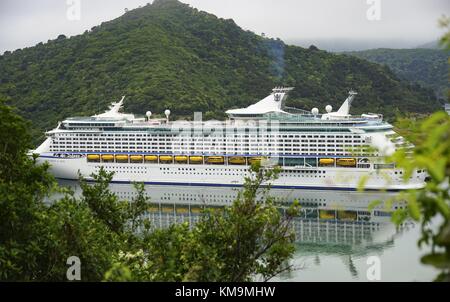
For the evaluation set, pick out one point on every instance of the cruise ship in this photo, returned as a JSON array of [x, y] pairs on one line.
[[333, 150]]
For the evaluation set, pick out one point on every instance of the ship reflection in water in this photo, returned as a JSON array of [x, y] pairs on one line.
[[336, 234]]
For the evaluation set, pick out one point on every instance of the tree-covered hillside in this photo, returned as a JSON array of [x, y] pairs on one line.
[[169, 55], [427, 67]]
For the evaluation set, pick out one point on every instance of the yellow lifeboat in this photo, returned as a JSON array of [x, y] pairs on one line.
[[347, 215], [181, 158], [122, 158], [196, 210], [215, 160], [257, 159], [136, 158], [327, 214], [326, 161], [346, 162], [107, 157], [195, 159], [182, 210], [167, 209], [153, 209], [236, 160], [165, 158], [93, 157], [151, 158]]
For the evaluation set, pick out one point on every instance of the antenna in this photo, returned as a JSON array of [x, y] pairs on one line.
[[351, 96], [167, 113]]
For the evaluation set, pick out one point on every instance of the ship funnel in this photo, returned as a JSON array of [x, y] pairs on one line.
[[345, 107]]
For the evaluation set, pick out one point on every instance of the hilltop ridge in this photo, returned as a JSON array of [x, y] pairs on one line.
[[170, 55]]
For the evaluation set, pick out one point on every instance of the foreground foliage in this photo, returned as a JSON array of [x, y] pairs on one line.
[[431, 205], [250, 239]]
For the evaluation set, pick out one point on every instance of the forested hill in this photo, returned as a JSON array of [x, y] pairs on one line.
[[427, 67], [169, 55]]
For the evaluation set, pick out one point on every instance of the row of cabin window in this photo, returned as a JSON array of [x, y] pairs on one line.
[[165, 136]]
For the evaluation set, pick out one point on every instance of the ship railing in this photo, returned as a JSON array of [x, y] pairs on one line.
[[297, 111], [317, 120]]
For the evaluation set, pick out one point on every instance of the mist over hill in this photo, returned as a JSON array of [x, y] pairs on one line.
[[427, 67], [357, 44]]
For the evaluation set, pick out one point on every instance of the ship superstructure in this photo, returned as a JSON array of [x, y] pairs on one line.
[[332, 150]]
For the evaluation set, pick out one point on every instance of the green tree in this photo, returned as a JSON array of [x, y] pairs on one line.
[[432, 203], [71, 229], [252, 238], [36, 237], [23, 185], [104, 204]]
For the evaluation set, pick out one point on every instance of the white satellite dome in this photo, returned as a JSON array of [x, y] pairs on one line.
[[328, 108], [315, 111]]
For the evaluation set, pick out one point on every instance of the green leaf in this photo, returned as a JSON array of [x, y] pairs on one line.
[[414, 209], [373, 204], [438, 260]]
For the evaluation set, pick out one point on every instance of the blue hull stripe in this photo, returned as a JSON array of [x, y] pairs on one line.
[[239, 186]]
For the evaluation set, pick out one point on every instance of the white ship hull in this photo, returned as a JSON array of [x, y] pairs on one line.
[[317, 178]]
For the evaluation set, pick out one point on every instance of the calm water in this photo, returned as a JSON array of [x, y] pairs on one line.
[[336, 234]]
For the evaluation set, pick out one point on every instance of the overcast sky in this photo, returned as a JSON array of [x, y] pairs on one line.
[[405, 22]]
